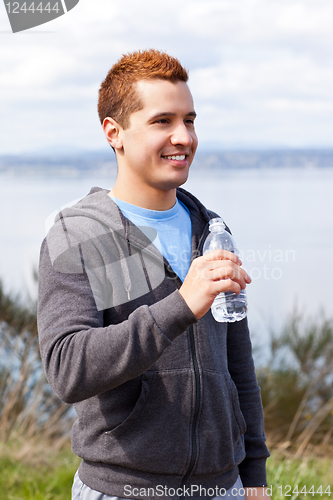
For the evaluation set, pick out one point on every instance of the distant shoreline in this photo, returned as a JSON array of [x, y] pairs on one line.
[[102, 163]]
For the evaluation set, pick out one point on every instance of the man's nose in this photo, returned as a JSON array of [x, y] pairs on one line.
[[181, 135]]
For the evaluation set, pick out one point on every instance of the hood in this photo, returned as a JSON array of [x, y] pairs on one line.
[[121, 261]]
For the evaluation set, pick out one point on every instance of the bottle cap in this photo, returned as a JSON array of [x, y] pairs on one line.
[[216, 222]]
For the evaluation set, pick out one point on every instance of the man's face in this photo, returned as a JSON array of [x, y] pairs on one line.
[[160, 143]]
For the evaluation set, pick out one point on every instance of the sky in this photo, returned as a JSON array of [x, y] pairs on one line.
[[261, 71]]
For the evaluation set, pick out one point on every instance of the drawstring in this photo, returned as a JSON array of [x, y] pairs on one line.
[[123, 261], [124, 266]]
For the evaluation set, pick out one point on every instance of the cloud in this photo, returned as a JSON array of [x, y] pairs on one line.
[[261, 71]]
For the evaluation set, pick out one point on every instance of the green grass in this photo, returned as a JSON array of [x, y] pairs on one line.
[[49, 479], [48, 476], [289, 477]]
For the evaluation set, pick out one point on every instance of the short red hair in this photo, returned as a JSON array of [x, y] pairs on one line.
[[118, 97]]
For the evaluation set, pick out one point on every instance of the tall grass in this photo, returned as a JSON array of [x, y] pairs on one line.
[[307, 477], [297, 386], [297, 394], [48, 475], [28, 406]]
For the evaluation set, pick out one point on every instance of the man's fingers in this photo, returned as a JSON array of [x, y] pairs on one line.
[[215, 272], [226, 268], [232, 272], [222, 255], [229, 284]]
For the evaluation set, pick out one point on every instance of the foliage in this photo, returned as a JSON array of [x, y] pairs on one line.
[[44, 474], [40, 474], [288, 476], [297, 394], [297, 385], [28, 406]]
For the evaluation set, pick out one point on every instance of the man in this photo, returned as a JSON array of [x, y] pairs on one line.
[[167, 399]]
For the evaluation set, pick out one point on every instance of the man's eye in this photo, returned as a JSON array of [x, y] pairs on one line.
[[162, 120]]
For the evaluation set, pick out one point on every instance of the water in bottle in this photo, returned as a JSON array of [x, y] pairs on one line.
[[229, 306]]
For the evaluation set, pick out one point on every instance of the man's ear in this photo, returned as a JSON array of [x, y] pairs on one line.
[[112, 131]]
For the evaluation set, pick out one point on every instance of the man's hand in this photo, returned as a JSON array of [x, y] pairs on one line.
[[258, 493], [213, 273]]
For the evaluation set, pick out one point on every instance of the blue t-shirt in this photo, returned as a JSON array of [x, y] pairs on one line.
[[174, 231]]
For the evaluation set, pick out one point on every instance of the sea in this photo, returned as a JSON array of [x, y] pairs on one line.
[[278, 205]]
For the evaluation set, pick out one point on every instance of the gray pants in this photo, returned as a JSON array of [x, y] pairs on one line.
[[80, 491]]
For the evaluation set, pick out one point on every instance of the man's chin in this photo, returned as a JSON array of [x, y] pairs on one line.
[[180, 179], [169, 186]]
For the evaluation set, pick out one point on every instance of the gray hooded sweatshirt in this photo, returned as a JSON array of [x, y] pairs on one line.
[[167, 405]]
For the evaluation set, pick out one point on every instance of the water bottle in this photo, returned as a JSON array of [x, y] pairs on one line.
[[229, 306]]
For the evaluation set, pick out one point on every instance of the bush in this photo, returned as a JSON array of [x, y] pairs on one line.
[[28, 406], [297, 385]]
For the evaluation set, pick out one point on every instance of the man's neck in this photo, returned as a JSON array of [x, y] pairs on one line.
[[149, 198]]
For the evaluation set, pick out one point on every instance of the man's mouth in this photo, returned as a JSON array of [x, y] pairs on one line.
[[175, 157]]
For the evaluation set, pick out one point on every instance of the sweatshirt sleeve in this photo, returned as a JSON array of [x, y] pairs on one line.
[[81, 356], [241, 367]]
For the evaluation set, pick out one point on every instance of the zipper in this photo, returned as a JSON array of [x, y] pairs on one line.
[[197, 396], [197, 400], [202, 239]]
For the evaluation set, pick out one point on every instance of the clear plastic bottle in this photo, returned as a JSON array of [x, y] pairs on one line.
[[229, 306]]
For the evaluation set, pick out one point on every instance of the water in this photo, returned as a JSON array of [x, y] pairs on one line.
[[281, 220], [227, 306]]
